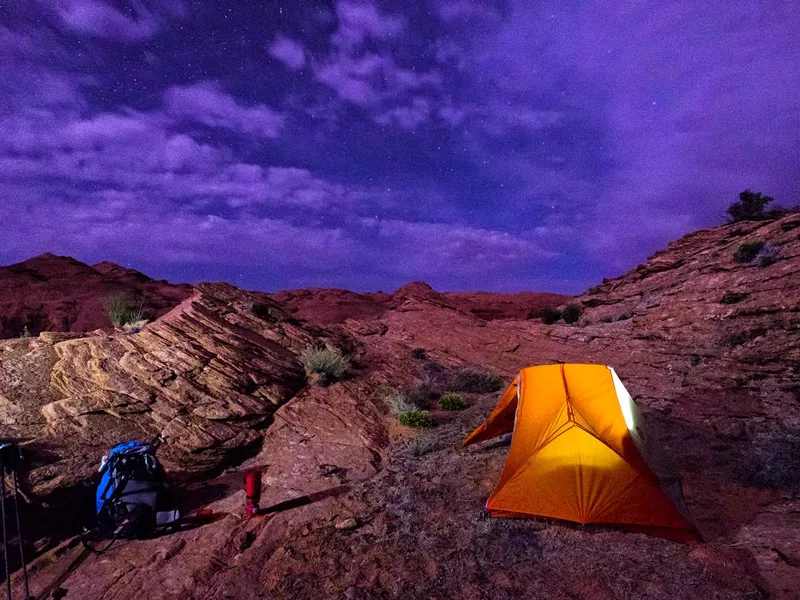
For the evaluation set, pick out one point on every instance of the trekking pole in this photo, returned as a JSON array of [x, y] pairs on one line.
[[3, 511], [19, 535]]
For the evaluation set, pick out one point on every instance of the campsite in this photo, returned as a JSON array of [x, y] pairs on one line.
[[357, 504], [389, 300]]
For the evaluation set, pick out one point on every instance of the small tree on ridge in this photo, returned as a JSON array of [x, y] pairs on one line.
[[750, 207]]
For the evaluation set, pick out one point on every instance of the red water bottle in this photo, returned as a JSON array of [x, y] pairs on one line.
[[252, 491]]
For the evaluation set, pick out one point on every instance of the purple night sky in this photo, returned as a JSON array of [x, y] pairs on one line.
[[510, 145]]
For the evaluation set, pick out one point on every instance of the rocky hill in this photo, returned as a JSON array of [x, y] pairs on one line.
[[706, 336], [329, 306], [59, 293]]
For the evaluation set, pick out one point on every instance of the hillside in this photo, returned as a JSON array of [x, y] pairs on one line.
[[59, 293], [708, 346]]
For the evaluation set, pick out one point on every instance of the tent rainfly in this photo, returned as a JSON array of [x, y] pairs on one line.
[[579, 453]]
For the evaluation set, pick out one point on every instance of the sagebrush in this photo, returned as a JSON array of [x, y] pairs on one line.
[[398, 401], [122, 309], [330, 364], [420, 445]]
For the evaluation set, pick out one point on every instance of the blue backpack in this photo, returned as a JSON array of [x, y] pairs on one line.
[[133, 498]]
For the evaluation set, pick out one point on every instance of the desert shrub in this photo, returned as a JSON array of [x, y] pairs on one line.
[[405, 399], [474, 381], [451, 401], [606, 319], [733, 297], [737, 338], [550, 316], [777, 464], [420, 445], [418, 354], [771, 463], [398, 401], [766, 256], [571, 313], [329, 363], [418, 393], [747, 252], [261, 310], [595, 289], [750, 207], [121, 309], [433, 375], [416, 418], [694, 360], [624, 317]]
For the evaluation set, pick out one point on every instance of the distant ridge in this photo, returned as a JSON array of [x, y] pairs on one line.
[[59, 293]]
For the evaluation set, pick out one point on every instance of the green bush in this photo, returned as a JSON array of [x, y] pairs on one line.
[[477, 382], [733, 297], [747, 252], [550, 316], [122, 310], [451, 401], [571, 313], [416, 418], [329, 363], [750, 207]]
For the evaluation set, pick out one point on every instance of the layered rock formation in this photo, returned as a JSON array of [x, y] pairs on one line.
[[207, 377], [708, 345]]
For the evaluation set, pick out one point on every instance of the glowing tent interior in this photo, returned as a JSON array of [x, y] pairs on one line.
[[579, 453]]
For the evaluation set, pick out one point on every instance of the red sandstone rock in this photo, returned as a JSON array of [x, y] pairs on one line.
[[717, 382]]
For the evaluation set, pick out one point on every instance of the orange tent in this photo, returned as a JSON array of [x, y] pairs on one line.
[[579, 453]]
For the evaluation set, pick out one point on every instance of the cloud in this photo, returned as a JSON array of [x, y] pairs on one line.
[[427, 249], [97, 18], [360, 21], [407, 117], [207, 103], [289, 52], [599, 133], [457, 11], [130, 226], [372, 79]]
